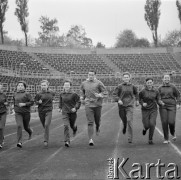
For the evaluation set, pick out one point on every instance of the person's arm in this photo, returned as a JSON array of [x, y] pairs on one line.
[[177, 95], [30, 101], [6, 103], [141, 97], [60, 101], [77, 100], [82, 92], [116, 93], [103, 91]]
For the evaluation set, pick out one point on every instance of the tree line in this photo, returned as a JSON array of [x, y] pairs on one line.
[[76, 36]]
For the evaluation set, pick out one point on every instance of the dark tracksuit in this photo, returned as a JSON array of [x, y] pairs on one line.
[[170, 96], [45, 110], [3, 113], [150, 112], [69, 100], [126, 92], [22, 114], [93, 105]]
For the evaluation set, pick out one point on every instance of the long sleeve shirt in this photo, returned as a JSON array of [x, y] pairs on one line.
[[69, 100], [3, 99], [170, 95], [47, 100], [88, 90], [22, 97], [126, 92], [151, 97]]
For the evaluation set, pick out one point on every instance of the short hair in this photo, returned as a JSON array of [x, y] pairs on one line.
[[126, 73], [67, 81], [148, 78], [45, 82], [23, 82], [92, 71], [166, 74]]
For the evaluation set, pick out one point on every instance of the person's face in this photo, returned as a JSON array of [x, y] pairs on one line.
[[44, 86], [66, 86], [166, 79], [149, 83], [126, 78], [91, 75], [20, 87]]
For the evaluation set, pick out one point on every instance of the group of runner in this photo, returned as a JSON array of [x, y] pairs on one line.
[[92, 92]]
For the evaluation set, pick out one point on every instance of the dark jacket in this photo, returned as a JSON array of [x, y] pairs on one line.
[[69, 100], [22, 97], [3, 99], [151, 97], [170, 95], [126, 92], [47, 100]]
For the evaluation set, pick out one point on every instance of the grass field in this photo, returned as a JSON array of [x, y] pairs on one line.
[[80, 161]]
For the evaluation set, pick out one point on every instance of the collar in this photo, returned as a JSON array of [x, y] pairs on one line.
[[146, 87], [125, 83], [166, 85], [91, 80], [21, 91]]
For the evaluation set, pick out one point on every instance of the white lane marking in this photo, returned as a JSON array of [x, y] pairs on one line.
[[173, 145], [56, 152]]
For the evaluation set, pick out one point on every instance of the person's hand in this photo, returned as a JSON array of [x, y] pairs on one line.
[[60, 110], [73, 110], [120, 102], [40, 101], [22, 104], [162, 103], [98, 95], [6, 103], [144, 104], [178, 106], [137, 103]]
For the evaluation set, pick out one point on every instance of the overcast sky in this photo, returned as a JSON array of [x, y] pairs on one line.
[[103, 20]]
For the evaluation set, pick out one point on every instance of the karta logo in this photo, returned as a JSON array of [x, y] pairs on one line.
[[116, 168]]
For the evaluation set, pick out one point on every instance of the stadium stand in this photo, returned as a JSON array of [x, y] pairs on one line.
[[21, 64]]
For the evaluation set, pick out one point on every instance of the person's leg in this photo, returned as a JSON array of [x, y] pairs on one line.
[[153, 116], [19, 122], [97, 118], [164, 120], [26, 123], [42, 118], [171, 120], [65, 118], [122, 115], [2, 126], [129, 115], [48, 118], [90, 119], [145, 120], [72, 120]]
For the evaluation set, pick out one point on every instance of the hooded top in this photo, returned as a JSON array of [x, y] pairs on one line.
[[22, 97], [88, 90], [47, 100], [170, 95], [126, 92], [151, 97], [69, 100]]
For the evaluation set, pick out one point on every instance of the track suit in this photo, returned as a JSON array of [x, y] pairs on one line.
[[150, 112], [3, 113], [45, 110], [93, 105], [170, 96], [69, 100], [126, 92], [22, 114]]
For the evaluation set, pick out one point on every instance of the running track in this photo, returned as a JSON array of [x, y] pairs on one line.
[[80, 161]]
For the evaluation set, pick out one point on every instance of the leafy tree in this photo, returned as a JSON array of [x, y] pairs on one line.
[[152, 15], [3, 9], [178, 4], [172, 38], [76, 37], [142, 43], [100, 45], [49, 31], [126, 38], [22, 13]]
